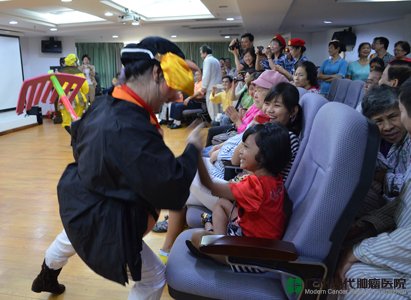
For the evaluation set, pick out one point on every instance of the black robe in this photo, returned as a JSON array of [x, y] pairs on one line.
[[122, 172]]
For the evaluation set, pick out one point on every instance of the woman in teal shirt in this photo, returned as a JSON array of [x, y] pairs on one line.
[[359, 69]]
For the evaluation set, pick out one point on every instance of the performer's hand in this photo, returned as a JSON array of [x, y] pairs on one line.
[[195, 137]]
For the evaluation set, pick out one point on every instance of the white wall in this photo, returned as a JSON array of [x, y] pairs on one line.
[[394, 30], [35, 62]]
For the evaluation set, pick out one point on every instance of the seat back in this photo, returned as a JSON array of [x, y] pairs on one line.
[[310, 104], [354, 93], [301, 91], [328, 177], [342, 86], [333, 90]]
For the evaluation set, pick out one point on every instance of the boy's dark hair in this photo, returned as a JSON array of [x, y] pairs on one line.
[[400, 70], [378, 100], [290, 98], [273, 142], [311, 70], [206, 49], [249, 36], [405, 96], [383, 40], [228, 77], [378, 69]]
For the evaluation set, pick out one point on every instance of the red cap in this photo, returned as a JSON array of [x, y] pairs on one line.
[[280, 39], [296, 42]]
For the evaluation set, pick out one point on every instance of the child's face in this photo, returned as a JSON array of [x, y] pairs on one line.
[[248, 152]]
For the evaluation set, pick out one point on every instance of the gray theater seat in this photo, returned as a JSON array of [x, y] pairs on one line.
[[354, 93], [329, 183]]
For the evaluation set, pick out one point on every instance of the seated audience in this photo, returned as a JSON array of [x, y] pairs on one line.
[[395, 73], [306, 77], [191, 102], [359, 69], [333, 67], [224, 98], [247, 64], [281, 104], [253, 206], [373, 78], [387, 255]]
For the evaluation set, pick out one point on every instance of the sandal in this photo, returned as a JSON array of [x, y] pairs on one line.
[[161, 226]]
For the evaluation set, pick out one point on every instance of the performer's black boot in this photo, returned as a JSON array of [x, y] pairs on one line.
[[46, 281]]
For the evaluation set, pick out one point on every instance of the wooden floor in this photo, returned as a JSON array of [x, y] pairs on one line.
[[31, 162]]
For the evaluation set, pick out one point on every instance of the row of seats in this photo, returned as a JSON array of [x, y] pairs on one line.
[[330, 176], [346, 91]]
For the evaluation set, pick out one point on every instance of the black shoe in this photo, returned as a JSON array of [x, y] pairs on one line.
[[46, 281], [165, 122], [174, 126]]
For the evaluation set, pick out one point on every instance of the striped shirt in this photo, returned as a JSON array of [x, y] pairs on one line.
[[392, 250], [227, 150]]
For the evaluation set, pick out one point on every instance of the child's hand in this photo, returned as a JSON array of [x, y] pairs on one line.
[[195, 137]]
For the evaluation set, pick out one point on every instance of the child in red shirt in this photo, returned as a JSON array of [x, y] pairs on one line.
[[252, 207]]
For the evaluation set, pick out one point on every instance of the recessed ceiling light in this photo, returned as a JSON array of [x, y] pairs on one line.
[[230, 19], [135, 23], [173, 36], [53, 29], [226, 36], [115, 36], [108, 14], [327, 22], [66, 0], [13, 22]]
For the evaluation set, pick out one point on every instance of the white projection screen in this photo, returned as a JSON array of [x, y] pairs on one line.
[[12, 72]]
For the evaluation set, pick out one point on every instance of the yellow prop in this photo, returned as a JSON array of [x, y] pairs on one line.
[[177, 73]]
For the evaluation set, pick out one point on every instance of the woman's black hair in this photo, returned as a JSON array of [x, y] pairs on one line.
[[337, 45], [85, 55], [290, 97], [311, 70], [362, 45], [404, 45], [273, 142]]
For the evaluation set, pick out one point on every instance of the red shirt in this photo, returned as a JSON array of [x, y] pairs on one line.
[[260, 206]]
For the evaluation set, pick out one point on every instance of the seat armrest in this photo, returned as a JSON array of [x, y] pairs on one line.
[[253, 248]]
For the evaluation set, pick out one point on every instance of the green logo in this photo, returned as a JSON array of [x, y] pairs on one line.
[[294, 285]]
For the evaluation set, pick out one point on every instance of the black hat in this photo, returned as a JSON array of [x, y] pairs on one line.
[[148, 48]]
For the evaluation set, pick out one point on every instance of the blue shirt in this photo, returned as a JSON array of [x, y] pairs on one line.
[[358, 71], [280, 61], [331, 67]]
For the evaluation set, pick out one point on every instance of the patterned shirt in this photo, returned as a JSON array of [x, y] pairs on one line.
[[396, 162]]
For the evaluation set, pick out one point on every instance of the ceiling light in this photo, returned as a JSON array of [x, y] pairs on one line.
[[66, 0], [135, 23], [13, 22], [108, 14], [173, 36], [53, 29], [230, 19], [115, 36], [327, 22], [226, 36]]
